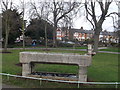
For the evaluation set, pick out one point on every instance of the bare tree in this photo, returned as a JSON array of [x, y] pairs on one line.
[[57, 11], [117, 27], [97, 21], [42, 13], [61, 10]]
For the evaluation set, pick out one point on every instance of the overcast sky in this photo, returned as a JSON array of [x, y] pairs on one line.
[[108, 23], [81, 21]]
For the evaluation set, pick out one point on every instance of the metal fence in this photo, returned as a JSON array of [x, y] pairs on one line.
[[64, 81]]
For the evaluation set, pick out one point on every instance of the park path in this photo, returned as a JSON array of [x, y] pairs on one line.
[[103, 51]]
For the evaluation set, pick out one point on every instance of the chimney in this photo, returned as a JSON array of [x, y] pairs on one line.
[[69, 27], [81, 28]]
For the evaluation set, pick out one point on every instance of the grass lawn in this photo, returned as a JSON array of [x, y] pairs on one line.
[[104, 68], [82, 47]]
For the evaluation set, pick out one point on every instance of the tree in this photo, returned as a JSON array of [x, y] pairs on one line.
[[118, 24], [10, 20], [23, 22], [5, 7], [57, 11], [35, 29], [14, 23], [42, 13], [96, 21], [61, 10]]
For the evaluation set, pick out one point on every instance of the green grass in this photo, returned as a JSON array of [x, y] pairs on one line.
[[52, 47], [104, 68], [10, 59], [111, 49], [73, 47]]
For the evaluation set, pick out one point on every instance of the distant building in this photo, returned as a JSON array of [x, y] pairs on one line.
[[59, 34], [82, 35]]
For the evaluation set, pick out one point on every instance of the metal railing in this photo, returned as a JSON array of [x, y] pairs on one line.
[[64, 81]]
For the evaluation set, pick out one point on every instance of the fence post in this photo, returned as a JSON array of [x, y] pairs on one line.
[[116, 85], [78, 84], [8, 77], [40, 82]]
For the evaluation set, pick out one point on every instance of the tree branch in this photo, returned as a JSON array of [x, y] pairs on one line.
[[90, 20], [87, 9], [5, 4], [93, 13], [73, 6], [101, 6], [112, 13], [34, 7]]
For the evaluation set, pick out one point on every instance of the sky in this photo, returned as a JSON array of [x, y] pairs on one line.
[[81, 20], [107, 25]]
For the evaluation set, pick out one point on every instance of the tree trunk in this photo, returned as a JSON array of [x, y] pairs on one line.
[[96, 41], [96, 38], [23, 40], [23, 33], [54, 36], [6, 43], [46, 35], [7, 35]]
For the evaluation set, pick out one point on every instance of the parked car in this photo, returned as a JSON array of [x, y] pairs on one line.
[[70, 42], [66, 43]]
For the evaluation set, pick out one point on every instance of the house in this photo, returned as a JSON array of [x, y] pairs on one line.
[[72, 33], [107, 37], [82, 35]]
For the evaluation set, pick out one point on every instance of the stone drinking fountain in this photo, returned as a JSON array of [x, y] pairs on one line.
[[83, 61]]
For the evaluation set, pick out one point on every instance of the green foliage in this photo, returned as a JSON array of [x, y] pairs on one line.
[[14, 22], [36, 29]]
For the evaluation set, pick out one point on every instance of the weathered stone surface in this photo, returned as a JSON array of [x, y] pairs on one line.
[[83, 61], [26, 69]]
